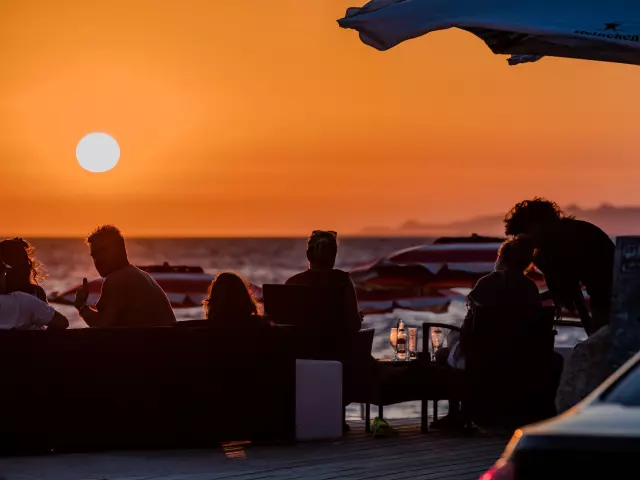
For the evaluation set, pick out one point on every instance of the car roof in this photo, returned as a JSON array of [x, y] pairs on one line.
[[594, 416], [602, 420]]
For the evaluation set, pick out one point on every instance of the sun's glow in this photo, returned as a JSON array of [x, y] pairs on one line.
[[98, 152]]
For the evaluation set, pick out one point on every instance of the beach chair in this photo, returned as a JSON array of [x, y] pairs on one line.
[[426, 357], [513, 371]]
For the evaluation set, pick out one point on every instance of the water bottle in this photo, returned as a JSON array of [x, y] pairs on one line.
[[401, 342]]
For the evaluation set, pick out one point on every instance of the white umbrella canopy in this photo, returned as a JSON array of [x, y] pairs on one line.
[[526, 29]]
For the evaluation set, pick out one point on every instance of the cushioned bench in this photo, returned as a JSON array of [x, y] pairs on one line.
[[145, 388]]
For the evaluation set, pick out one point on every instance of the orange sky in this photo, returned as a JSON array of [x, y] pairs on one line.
[[264, 117]]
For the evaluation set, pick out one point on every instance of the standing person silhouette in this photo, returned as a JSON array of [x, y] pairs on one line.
[[571, 254]]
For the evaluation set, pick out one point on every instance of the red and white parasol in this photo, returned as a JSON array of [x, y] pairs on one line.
[[436, 265], [415, 299], [420, 278], [186, 287]]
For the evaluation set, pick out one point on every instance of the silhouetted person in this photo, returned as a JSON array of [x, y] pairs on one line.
[[129, 297], [229, 299], [570, 253], [21, 311], [322, 249], [25, 270], [507, 286]]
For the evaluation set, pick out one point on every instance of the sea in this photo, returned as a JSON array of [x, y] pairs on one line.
[[259, 261]]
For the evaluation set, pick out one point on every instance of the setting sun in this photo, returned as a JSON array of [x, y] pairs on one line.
[[98, 152]]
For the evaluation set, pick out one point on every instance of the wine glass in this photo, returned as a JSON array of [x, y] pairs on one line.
[[393, 340], [437, 339]]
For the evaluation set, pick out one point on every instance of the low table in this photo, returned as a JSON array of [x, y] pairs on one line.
[[423, 401]]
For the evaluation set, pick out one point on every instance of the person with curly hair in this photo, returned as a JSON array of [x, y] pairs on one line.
[[571, 254], [22, 311], [26, 270]]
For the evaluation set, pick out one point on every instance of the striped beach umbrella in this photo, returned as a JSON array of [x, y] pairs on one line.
[[448, 265], [387, 300]]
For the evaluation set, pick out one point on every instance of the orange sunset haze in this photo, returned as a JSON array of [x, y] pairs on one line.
[[254, 117]]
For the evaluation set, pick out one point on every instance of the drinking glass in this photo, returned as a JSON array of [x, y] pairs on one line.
[[413, 343], [437, 339], [393, 340]]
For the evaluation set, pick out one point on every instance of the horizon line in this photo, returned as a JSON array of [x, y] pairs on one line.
[[230, 237]]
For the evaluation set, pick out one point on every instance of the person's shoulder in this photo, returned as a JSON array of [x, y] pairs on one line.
[[582, 227], [26, 299], [21, 296], [18, 296], [488, 279], [341, 274], [297, 278], [121, 279], [124, 273]]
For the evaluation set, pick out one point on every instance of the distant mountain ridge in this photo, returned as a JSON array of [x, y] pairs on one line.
[[614, 220]]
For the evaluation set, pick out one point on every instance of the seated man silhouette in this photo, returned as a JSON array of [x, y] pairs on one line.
[[508, 286], [129, 297], [322, 249], [21, 311]]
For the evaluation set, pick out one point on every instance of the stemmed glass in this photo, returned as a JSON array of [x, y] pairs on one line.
[[437, 339], [393, 340]]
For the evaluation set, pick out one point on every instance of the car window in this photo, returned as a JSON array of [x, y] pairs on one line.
[[627, 390]]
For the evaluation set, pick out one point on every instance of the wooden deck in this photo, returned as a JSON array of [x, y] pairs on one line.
[[410, 455]]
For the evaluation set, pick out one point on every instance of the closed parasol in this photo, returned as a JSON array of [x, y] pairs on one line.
[[525, 29]]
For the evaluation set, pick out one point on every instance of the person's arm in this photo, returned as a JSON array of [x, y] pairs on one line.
[[105, 312], [583, 312], [58, 322], [568, 294], [41, 314], [467, 327], [561, 289]]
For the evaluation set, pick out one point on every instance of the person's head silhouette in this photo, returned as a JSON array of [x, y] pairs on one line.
[[229, 298], [107, 247], [322, 249], [515, 254], [25, 269], [532, 217]]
